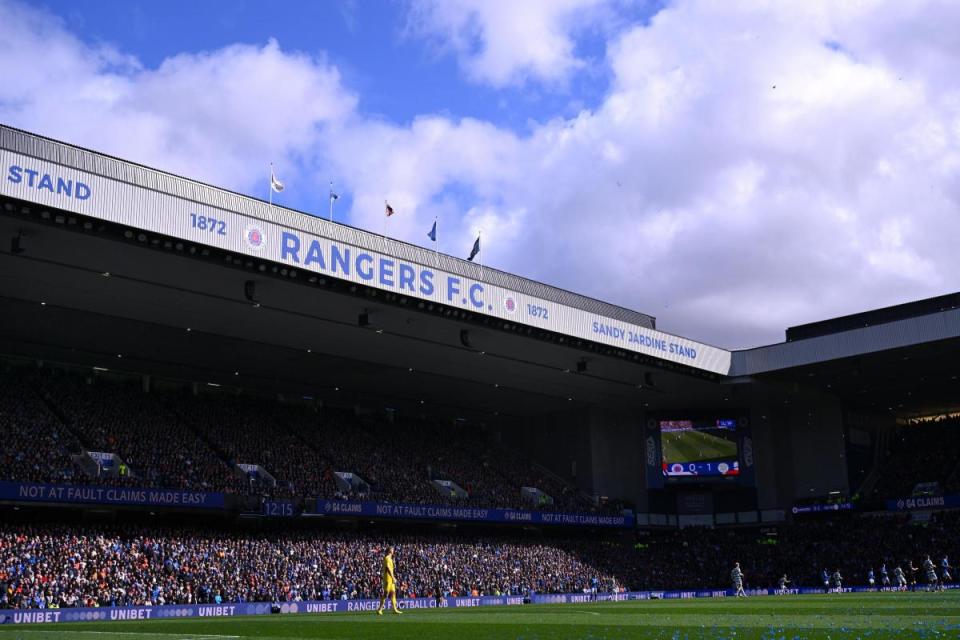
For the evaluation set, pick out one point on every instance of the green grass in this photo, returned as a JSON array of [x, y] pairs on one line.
[[697, 446], [872, 616]]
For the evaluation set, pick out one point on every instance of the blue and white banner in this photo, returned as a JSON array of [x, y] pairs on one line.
[[166, 612], [822, 508], [83, 494], [470, 514], [53, 185], [653, 455], [924, 502], [102, 614]]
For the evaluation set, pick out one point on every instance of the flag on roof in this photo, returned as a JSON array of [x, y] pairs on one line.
[[275, 184], [475, 250]]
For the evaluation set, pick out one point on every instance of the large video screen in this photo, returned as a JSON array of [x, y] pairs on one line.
[[699, 448]]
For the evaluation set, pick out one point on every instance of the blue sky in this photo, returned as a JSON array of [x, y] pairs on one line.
[[732, 168], [397, 75]]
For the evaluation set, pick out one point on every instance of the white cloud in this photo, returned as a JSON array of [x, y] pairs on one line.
[[417, 168], [504, 42], [751, 168], [218, 116], [708, 88]]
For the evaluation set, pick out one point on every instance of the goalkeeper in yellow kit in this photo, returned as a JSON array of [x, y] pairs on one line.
[[389, 583]]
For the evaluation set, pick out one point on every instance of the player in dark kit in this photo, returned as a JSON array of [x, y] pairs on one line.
[[913, 574]]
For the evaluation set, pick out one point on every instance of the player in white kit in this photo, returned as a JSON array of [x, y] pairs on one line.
[[736, 578]]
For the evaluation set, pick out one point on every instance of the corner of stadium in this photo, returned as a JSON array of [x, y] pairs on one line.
[[117, 285]]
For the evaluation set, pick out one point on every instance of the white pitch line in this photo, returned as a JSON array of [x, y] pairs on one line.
[[593, 613], [82, 632], [181, 636]]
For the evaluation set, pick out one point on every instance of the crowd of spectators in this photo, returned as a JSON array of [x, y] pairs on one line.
[[698, 558], [922, 452], [42, 566], [491, 476], [525, 473], [76, 566], [159, 450], [246, 431], [376, 453], [35, 447], [182, 440], [433, 454]]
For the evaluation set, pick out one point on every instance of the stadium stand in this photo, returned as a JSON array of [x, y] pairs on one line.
[[120, 419], [253, 481], [925, 452], [185, 440], [178, 440]]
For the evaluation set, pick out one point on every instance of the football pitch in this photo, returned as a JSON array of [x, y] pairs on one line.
[[873, 615], [697, 446]]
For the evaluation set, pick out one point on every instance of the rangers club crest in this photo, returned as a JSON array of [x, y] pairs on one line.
[[254, 237], [510, 305]]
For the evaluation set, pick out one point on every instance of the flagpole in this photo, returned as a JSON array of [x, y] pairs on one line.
[[386, 219], [331, 201], [271, 186], [480, 237], [436, 241]]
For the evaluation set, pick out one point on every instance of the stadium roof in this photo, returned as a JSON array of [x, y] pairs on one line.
[[903, 359], [930, 328], [150, 200], [201, 193], [875, 317]]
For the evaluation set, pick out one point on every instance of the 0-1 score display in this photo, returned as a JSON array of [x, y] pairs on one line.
[[699, 448]]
